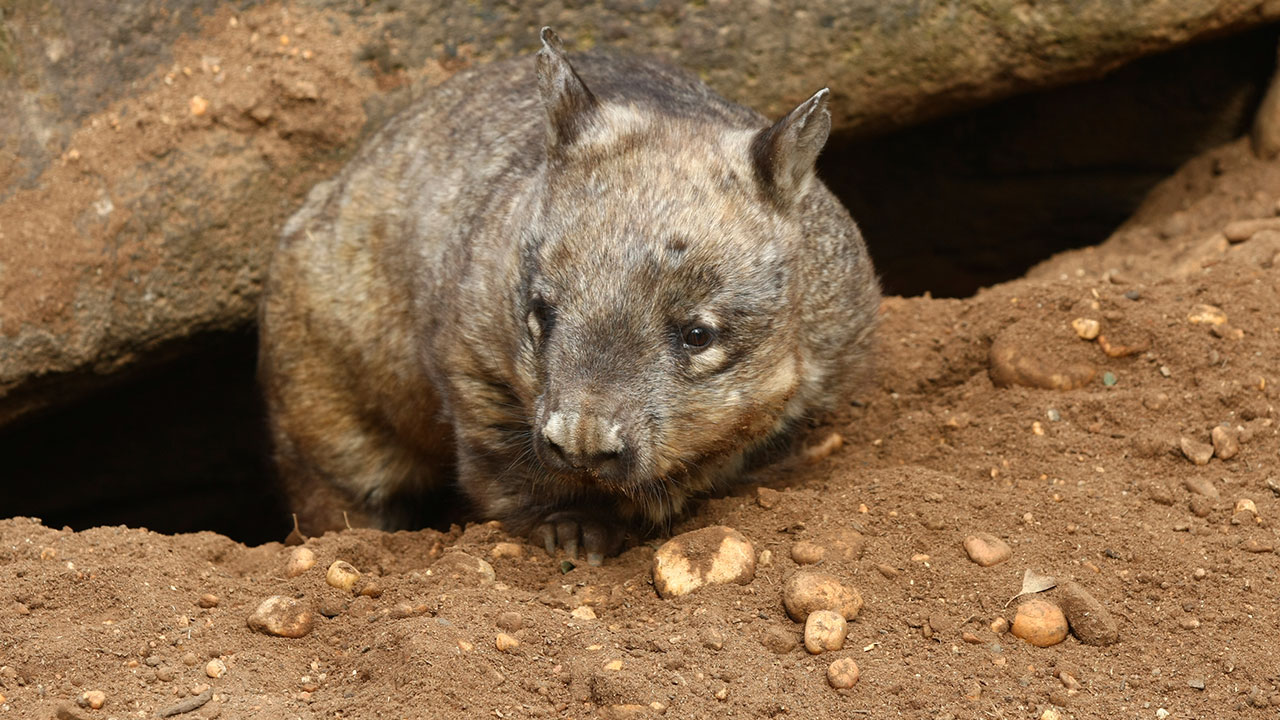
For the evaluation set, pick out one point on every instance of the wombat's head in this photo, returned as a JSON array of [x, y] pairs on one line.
[[659, 288]]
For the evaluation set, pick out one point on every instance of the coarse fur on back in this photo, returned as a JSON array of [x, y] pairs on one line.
[[587, 290]]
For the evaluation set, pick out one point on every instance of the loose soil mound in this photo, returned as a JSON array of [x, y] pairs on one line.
[[1093, 485]]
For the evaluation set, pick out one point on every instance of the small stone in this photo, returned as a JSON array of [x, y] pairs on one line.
[[94, 699], [767, 498], [1086, 328], [1241, 230], [778, 640], [765, 559], [710, 556], [507, 551], [807, 553], [1200, 506], [583, 612], [1159, 491], [888, 570], [1109, 378], [1254, 545], [342, 575], [1133, 295], [807, 591], [510, 621], [505, 642], [1196, 451], [300, 560], [1196, 683], [986, 549], [1206, 315], [1050, 714], [970, 638], [825, 631], [283, 617], [370, 588], [722, 694], [613, 665], [207, 600], [713, 639], [1189, 623], [190, 659], [1246, 511], [1011, 363], [1225, 443], [1201, 486], [215, 668], [463, 567], [844, 545], [842, 674], [1040, 623], [1089, 620], [198, 105], [333, 606]]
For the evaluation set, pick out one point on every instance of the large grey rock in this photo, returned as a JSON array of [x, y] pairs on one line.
[[134, 215]]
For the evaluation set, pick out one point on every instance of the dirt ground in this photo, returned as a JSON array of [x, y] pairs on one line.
[[1094, 483]]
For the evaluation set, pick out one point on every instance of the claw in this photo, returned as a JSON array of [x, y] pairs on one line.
[[567, 534], [595, 539], [546, 535]]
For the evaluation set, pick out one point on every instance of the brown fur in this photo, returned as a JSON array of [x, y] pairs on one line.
[[499, 288]]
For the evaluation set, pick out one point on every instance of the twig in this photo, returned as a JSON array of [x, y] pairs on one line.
[[194, 702]]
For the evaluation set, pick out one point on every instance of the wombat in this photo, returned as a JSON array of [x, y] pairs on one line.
[[585, 291]]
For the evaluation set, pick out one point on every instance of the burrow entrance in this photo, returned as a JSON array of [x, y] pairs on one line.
[[948, 207]]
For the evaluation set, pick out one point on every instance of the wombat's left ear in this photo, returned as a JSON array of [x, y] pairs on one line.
[[569, 105], [784, 154]]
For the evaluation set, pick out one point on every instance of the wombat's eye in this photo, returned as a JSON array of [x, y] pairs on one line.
[[542, 316], [698, 338]]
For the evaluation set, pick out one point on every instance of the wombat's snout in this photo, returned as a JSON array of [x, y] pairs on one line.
[[583, 439]]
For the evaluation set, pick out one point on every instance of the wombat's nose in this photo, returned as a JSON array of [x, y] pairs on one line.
[[583, 442]]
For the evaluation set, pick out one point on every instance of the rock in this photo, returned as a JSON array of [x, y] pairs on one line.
[[807, 553], [583, 612], [710, 556], [207, 600], [464, 568], [1256, 545], [1086, 328], [1000, 626], [767, 498], [1158, 490], [93, 699], [986, 549], [1241, 230], [505, 642], [1201, 486], [283, 617], [369, 588], [844, 545], [1011, 363], [1040, 623], [510, 621], [778, 640], [824, 631], [1196, 451], [300, 560], [1246, 512], [342, 575], [1226, 444], [1206, 315], [331, 606], [506, 550], [842, 674], [1088, 619], [807, 591], [215, 668]]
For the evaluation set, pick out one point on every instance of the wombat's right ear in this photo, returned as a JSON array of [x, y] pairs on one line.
[[569, 105], [784, 154]]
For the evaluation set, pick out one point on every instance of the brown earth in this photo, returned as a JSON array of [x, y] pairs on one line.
[[1089, 484]]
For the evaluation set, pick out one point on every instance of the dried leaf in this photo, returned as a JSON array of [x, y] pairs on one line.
[[1033, 582]]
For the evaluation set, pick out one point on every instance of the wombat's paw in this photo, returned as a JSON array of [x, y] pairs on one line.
[[567, 527]]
